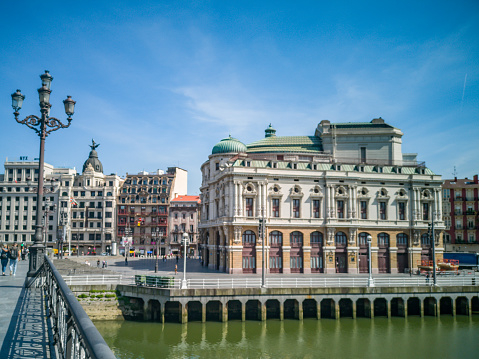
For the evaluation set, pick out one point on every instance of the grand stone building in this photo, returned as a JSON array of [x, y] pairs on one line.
[[320, 196]]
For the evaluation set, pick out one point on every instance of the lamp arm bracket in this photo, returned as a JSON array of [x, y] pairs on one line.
[[55, 124], [32, 122]]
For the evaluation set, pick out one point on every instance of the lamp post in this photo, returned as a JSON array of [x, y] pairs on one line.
[[184, 285], [156, 234], [370, 278], [43, 126]]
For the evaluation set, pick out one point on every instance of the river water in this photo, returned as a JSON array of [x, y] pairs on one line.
[[414, 337]]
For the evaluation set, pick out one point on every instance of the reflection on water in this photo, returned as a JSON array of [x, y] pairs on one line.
[[414, 337]]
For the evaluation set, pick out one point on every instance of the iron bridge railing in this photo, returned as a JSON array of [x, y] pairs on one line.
[[74, 334]]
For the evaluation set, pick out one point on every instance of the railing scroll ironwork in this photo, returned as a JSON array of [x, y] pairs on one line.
[[74, 334]]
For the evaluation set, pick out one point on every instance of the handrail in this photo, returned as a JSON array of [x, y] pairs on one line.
[[75, 335]]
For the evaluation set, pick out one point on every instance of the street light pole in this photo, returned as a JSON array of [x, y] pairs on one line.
[[43, 126], [370, 278], [184, 284]]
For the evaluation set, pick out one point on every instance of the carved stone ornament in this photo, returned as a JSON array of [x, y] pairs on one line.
[[341, 191], [89, 168], [352, 235], [363, 193], [417, 234], [402, 194], [275, 190], [383, 193], [316, 192], [296, 191], [237, 234], [331, 232], [249, 188]]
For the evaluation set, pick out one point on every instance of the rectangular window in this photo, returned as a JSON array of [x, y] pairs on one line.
[[363, 154], [275, 207], [425, 211], [296, 208], [364, 210], [382, 210], [402, 211], [340, 209], [249, 207], [316, 207]]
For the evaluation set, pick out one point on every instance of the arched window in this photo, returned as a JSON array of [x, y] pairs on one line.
[[297, 237], [340, 238], [363, 238], [317, 237], [401, 239], [276, 238], [383, 239], [249, 237], [64, 194], [425, 241]]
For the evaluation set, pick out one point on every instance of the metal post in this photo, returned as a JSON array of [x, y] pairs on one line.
[[370, 278], [433, 248], [184, 284]]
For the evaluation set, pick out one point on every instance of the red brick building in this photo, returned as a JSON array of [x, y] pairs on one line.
[[461, 214]]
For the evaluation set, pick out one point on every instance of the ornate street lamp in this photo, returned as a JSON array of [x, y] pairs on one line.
[[370, 278], [184, 284], [43, 126]]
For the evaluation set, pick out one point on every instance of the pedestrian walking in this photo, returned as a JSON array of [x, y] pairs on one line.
[[4, 257], [24, 253], [103, 264], [427, 278], [98, 263], [14, 257], [176, 269], [126, 260]]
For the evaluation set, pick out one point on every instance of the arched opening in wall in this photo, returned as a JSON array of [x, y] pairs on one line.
[[380, 307], [136, 309], [272, 309], [446, 305], [213, 311], [397, 307], [291, 309], [154, 310], [363, 252], [296, 252], [413, 306], [310, 308], [249, 252], [430, 306], [253, 310], [316, 240], [384, 265], [462, 306], [173, 312], [194, 309], [276, 252], [234, 310], [426, 249], [341, 241], [475, 305], [327, 308], [345, 308], [402, 253], [363, 308]]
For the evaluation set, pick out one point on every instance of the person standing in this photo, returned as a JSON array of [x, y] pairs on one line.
[[14, 257], [4, 257], [176, 269]]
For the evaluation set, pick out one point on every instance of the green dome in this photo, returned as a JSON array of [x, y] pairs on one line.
[[227, 145]]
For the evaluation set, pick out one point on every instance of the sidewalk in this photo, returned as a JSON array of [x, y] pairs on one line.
[[23, 328]]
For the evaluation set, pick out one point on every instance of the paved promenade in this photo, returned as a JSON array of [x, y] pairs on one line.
[[23, 329]]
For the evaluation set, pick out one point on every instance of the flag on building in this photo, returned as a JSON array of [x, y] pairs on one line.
[[73, 202]]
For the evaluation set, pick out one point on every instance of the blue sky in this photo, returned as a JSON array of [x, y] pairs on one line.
[[159, 83]]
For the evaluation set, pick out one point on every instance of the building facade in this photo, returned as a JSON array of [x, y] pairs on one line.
[[143, 209], [461, 214], [321, 196], [184, 219]]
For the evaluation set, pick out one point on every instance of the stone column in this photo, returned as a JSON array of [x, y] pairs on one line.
[[286, 258], [421, 306], [354, 309], [438, 307], [453, 307], [300, 310], [388, 304], [203, 312], [240, 201], [243, 311], [318, 309], [371, 308], [469, 304], [184, 313], [350, 202], [162, 312], [262, 311], [281, 310], [224, 312], [355, 201], [328, 201], [337, 313], [231, 200], [405, 307], [306, 259]]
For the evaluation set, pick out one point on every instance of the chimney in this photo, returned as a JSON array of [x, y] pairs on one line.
[[476, 180]]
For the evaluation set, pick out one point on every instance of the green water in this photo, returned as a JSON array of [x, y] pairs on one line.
[[414, 337]]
